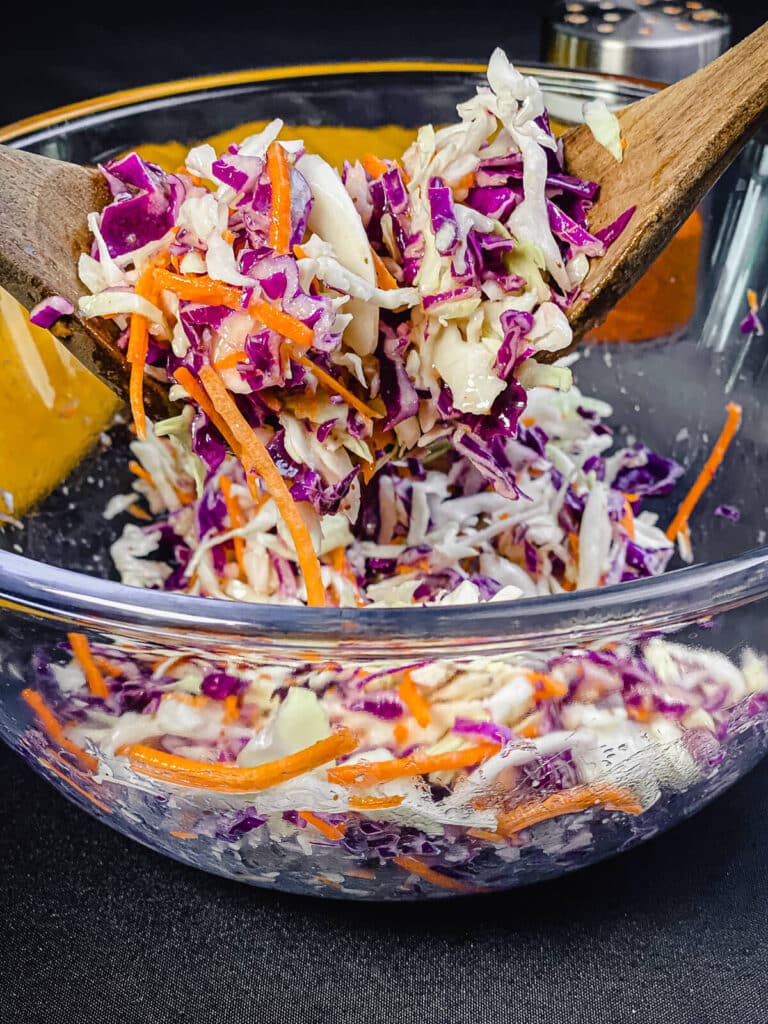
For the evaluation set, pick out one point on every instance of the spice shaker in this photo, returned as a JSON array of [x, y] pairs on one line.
[[650, 39], [659, 42]]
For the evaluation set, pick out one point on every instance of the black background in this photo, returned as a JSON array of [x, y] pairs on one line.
[[94, 928]]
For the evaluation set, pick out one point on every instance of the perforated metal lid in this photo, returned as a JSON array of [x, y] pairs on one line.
[[649, 39]]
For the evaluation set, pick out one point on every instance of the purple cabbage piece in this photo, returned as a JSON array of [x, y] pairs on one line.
[[220, 685], [517, 325], [444, 224], [488, 730], [728, 512], [396, 388], [140, 212], [648, 561], [609, 234], [47, 312], [242, 173], [246, 821], [301, 205], [207, 443], [264, 368], [646, 473], [577, 238], [495, 201], [387, 708], [305, 483]]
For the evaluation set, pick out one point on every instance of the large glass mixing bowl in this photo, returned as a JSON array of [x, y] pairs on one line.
[[55, 574]]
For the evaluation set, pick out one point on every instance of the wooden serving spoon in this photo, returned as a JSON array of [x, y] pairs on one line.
[[678, 141]]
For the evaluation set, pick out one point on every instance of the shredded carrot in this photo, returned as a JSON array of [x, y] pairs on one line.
[[112, 668], [139, 471], [228, 236], [254, 456], [568, 801], [752, 300], [361, 873], [369, 773], [464, 184], [401, 734], [417, 867], [383, 277], [138, 346], [331, 384], [184, 835], [198, 288], [231, 708], [280, 179], [82, 652], [71, 782], [528, 421], [199, 397], [374, 803], [481, 833], [374, 165], [282, 323], [229, 777], [231, 361], [628, 519], [529, 731], [334, 832], [546, 687], [139, 512], [704, 478], [51, 725], [414, 701], [235, 518]]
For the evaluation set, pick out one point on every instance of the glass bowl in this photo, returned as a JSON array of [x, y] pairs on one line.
[[55, 572]]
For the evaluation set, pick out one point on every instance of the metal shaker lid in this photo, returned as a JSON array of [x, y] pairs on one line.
[[652, 39]]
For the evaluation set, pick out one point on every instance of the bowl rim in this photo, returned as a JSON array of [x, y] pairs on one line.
[[675, 598]]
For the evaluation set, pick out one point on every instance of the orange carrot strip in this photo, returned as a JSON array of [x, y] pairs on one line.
[[139, 471], [368, 773], [375, 165], [198, 288], [71, 782], [82, 652], [254, 456], [400, 733], [280, 178], [546, 687], [374, 803], [282, 323], [360, 873], [231, 708], [628, 519], [481, 833], [184, 835], [138, 346], [51, 725], [112, 668], [383, 277], [417, 867], [568, 801], [414, 701], [231, 361], [139, 512], [235, 518], [199, 397], [704, 478], [328, 830], [228, 777], [464, 184], [331, 384]]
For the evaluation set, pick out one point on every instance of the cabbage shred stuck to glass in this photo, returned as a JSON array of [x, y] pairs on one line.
[[363, 422]]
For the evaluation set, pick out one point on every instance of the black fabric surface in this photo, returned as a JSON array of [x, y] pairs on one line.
[[94, 928]]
